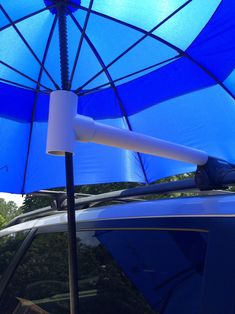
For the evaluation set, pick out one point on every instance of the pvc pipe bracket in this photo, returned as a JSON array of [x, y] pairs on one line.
[[65, 127]]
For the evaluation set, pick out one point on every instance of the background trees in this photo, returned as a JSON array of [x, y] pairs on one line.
[[8, 210]]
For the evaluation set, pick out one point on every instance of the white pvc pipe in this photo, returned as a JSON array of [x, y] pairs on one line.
[[65, 127], [111, 136]]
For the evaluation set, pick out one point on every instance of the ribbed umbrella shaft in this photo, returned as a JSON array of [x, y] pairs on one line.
[[72, 241]]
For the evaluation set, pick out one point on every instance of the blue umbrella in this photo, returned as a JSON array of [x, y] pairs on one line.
[[162, 68]]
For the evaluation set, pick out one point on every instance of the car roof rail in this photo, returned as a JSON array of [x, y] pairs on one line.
[[57, 197], [121, 196], [37, 213]]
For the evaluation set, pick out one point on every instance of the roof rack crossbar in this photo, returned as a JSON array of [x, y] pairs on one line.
[[58, 197], [161, 188], [187, 185]]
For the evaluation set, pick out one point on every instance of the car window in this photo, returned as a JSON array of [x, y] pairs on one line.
[[104, 287], [40, 283], [166, 266], [8, 247]]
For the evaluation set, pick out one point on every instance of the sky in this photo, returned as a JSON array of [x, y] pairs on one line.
[[18, 199]]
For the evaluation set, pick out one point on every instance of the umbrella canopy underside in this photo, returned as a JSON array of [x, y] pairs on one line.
[[162, 68]]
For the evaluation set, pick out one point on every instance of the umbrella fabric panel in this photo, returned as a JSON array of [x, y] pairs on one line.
[[147, 14], [15, 53], [87, 67], [161, 51], [178, 78], [138, 13], [175, 79], [184, 75], [229, 82], [116, 39], [16, 103], [203, 120], [13, 147], [187, 23], [214, 48], [110, 43], [3, 20], [93, 163], [18, 9], [155, 53]]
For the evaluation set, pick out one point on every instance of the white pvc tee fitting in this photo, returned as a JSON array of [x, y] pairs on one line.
[[61, 135]]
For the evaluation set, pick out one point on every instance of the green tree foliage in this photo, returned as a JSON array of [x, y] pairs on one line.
[[32, 202], [2, 221], [8, 210]]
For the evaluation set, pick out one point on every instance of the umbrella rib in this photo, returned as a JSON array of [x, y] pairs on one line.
[[36, 98], [80, 44], [146, 34], [24, 75], [26, 17], [23, 86], [30, 49], [209, 73], [167, 43], [101, 62], [88, 91]]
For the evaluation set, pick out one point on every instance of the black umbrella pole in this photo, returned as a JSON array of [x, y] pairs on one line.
[[72, 240]]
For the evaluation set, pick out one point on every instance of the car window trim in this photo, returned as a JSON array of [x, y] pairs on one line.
[[16, 260]]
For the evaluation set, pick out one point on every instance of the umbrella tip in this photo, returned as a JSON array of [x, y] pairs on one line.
[[71, 5]]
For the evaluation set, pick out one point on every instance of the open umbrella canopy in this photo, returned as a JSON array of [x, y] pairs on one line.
[[162, 68]]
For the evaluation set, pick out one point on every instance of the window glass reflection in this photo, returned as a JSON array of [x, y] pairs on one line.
[[8, 247], [40, 283]]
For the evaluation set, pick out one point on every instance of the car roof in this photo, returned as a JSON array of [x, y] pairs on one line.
[[197, 206]]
